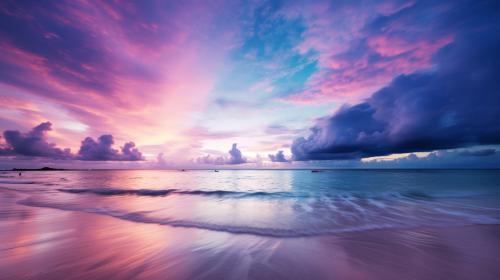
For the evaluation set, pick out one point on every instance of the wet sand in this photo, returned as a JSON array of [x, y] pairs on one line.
[[41, 243]]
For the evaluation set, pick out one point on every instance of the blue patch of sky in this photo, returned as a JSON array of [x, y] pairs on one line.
[[268, 52]]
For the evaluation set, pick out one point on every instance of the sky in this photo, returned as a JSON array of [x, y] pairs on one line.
[[250, 84]]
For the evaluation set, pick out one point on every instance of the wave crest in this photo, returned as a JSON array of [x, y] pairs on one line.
[[141, 217], [164, 192]]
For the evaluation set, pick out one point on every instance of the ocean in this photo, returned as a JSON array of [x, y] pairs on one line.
[[250, 224]]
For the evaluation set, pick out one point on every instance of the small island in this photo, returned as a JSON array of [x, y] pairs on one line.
[[45, 168]]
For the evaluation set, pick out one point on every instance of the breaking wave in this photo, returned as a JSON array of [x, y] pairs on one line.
[[141, 217], [303, 230], [164, 192], [18, 182]]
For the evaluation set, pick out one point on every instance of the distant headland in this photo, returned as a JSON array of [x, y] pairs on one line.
[[38, 169]]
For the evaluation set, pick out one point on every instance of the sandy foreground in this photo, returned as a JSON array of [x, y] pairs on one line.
[[41, 243]]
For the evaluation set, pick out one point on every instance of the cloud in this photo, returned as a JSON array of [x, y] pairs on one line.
[[130, 152], [102, 150], [278, 157], [95, 62], [32, 144], [226, 103], [208, 159], [203, 133], [479, 153], [483, 158], [35, 144], [160, 159], [360, 48], [278, 129], [236, 157], [454, 105]]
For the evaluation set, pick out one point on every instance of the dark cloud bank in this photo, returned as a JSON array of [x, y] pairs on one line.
[[456, 104], [35, 144]]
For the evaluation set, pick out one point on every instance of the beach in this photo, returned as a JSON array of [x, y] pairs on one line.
[[235, 140], [52, 245], [59, 235]]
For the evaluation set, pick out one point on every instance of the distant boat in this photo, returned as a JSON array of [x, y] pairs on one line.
[[216, 170], [317, 171], [183, 170]]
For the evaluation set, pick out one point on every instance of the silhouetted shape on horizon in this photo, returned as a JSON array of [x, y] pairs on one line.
[[45, 168]]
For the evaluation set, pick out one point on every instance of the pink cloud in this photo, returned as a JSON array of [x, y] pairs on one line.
[[359, 50], [135, 75]]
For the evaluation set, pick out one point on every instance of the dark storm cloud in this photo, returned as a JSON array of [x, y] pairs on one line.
[[102, 149], [278, 157], [34, 143], [454, 105]]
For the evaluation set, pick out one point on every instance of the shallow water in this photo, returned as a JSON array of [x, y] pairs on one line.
[[270, 203], [235, 213]]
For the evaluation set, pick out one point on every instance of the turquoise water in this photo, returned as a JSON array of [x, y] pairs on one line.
[[274, 203]]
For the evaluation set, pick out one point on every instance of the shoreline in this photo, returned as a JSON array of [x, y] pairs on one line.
[[259, 232], [74, 238]]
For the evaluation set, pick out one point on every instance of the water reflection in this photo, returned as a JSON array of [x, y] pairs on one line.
[[293, 224]]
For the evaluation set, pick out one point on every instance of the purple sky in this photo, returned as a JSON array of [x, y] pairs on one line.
[[271, 84]]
